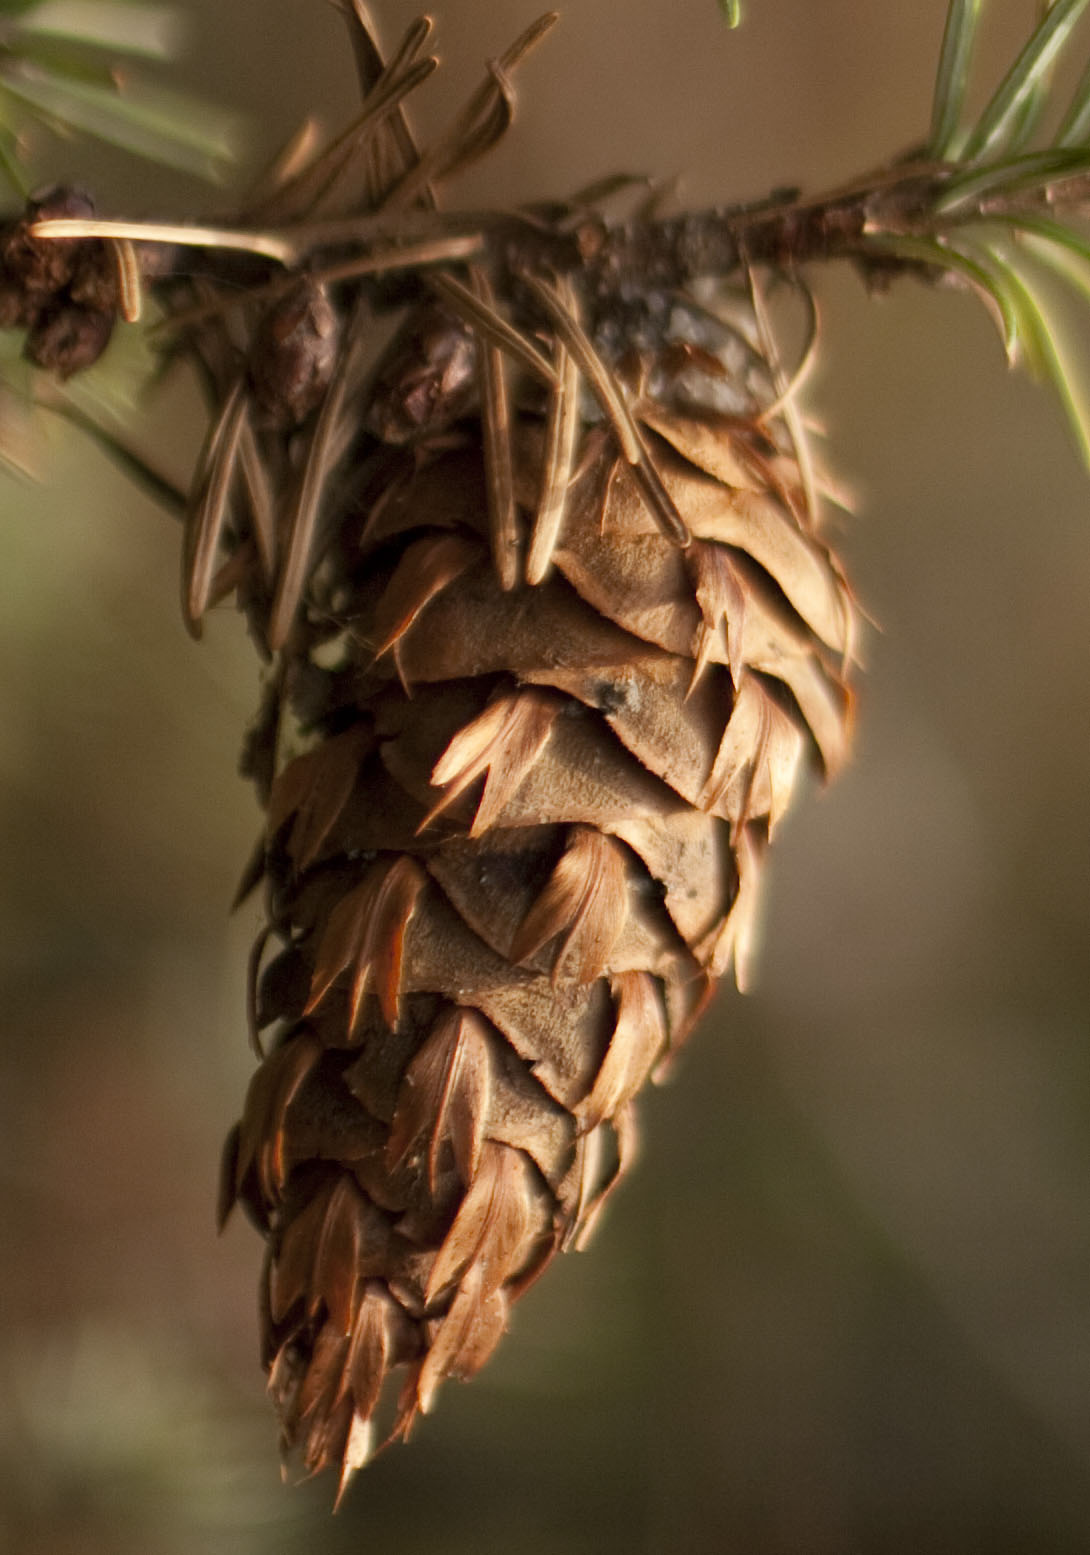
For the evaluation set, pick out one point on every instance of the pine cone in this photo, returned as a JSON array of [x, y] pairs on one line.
[[524, 841], [554, 635]]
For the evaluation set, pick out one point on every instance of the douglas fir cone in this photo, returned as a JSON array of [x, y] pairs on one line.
[[567, 637]]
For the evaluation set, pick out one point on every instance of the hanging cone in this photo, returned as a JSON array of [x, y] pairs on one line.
[[554, 635], [526, 837]]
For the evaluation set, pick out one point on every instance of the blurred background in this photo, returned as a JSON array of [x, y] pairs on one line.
[[843, 1304]]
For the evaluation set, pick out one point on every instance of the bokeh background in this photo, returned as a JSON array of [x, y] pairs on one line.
[[843, 1306]]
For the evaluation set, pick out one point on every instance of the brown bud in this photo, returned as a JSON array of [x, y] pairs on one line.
[[294, 353], [426, 380], [68, 338], [41, 267]]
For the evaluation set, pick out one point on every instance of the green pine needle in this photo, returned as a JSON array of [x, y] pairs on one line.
[[1004, 283], [996, 219], [56, 67], [1045, 355], [1063, 248], [1020, 175], [953, 75], [944, 256], [999, 123], [1074, 128], [151, 31], [11, 166], [165, 127]]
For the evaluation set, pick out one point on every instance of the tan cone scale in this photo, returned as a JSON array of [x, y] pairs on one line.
[[523, 842]]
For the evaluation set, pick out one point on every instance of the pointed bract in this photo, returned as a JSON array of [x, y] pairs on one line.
[[491, 1226], [585, 903], [639, 1037], [503, 744], [366, 934], [465, 1337], [444, 1096]]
